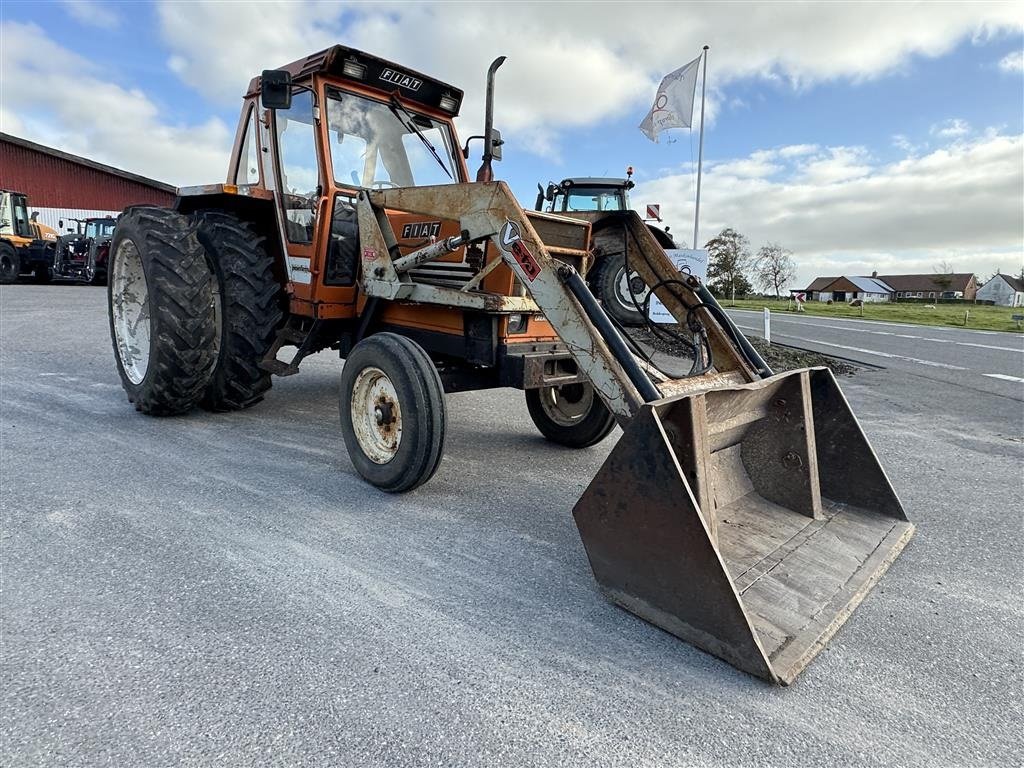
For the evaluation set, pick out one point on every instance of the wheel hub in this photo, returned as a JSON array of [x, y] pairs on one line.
[[129, 297], [567, 404], [629, 286], [376, 415]]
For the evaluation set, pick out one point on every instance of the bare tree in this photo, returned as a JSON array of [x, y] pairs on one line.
[[774, 267], [943, 278]]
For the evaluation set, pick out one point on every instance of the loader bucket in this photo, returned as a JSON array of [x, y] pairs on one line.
[[749, 521]]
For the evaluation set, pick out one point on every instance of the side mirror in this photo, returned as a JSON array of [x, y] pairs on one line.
[[550, 196], [276, 89], [60, 223], [496, 142]]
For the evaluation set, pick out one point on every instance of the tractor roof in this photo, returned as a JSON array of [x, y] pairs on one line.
[[369, 70], [596, 181]]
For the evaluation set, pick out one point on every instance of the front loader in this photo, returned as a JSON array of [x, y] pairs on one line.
[[742, 511]]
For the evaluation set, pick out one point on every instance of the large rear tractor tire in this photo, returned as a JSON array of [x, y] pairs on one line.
[[392, 412], [612, 284], [160, 297], [10, 264], [572, 415], [247, 299]]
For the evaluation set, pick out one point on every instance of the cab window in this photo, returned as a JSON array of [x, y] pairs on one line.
[[300, 172], [248, 164]]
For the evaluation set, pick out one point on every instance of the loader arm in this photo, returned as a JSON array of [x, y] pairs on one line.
[[489, 211]]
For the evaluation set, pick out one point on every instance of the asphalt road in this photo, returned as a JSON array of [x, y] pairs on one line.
[[224, 590], [984, 361]]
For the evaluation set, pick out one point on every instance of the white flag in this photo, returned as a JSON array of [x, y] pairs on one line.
[[673, 106]]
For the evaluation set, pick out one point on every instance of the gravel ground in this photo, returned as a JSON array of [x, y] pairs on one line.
[[223, 590], [779, 358]]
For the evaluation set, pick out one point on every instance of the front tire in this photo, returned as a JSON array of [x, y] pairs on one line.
[[160, 299], [248, 309], [392, 412], [10, 264], [572, 415], [612, 285]]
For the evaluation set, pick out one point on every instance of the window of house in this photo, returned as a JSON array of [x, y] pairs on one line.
[[919, 294]]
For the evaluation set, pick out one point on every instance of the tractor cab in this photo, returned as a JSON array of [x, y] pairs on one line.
[[585, 194], [14, 219]]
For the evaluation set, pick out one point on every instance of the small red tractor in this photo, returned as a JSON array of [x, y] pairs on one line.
[[742, 511], [83, 255]]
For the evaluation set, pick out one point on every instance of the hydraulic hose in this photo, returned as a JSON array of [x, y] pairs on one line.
[[648, 392]]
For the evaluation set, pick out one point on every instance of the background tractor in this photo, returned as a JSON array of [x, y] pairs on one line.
[[82, 255], [26, 246], [742, 511], [604, 203]]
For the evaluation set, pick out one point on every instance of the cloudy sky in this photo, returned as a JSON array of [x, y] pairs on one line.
[[862, 136]]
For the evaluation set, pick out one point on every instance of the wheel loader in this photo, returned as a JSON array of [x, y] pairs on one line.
[[604, 202], [742, 511], [26, 246]]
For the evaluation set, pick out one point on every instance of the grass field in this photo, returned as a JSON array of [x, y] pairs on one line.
[[982, 317]]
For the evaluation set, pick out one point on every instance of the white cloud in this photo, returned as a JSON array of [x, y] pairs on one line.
[[92, 13], [953, 128], [568, 68], [100, 119], [796, 150], [1012, 62], [840, 211]]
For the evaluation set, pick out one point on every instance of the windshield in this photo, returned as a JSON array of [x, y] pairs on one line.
[[594, 199], [375, 145], [99, 229]]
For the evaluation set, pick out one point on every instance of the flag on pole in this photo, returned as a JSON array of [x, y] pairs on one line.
[[673, 105]]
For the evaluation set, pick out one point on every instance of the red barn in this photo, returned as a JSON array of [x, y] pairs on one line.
[[64, 186]]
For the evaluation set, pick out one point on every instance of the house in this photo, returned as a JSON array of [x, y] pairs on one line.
[[845, 288], [1004, 290], [894, 287], [962, 285]]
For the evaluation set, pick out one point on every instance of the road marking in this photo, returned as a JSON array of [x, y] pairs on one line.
[[873, 322], [813, 324], [1004, 377], [917, 360]]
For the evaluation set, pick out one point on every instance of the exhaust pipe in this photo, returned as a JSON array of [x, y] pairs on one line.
[[486, 173]]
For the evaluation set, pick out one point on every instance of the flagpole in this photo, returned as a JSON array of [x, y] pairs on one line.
[[700, 151]]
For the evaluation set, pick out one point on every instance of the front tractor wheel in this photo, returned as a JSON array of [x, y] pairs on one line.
[[160, 297], [10, 264], [247, 302], [392, 412], [620, 290], [572, 415]]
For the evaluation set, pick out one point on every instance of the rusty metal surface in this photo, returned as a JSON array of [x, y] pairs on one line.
[[748, 520]]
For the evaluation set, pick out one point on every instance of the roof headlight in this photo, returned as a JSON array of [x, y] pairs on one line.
[[449, 103], [352, 67]]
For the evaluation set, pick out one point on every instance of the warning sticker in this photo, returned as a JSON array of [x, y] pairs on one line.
[[511, 241], [369, 254]]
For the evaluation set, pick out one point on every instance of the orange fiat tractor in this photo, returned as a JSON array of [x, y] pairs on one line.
[[742, 511]]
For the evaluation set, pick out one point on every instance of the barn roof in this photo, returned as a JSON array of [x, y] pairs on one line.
[[43, 149]]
